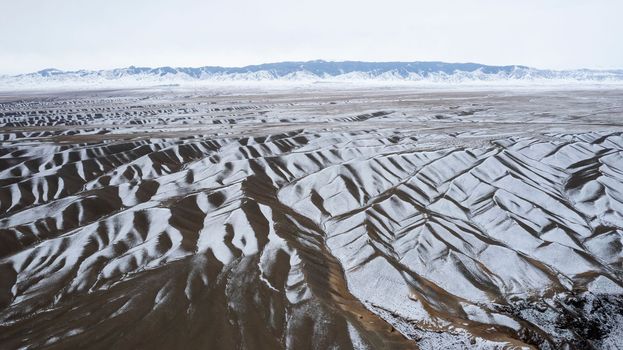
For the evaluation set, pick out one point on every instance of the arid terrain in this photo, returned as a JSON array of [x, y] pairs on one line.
[[312, 218]]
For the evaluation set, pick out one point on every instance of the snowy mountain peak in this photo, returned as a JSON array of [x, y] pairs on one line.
[[313, 71]]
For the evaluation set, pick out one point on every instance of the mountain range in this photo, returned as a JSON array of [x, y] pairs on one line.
[[315, 71]]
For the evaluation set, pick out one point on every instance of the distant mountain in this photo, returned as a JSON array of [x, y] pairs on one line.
[[314, 71]]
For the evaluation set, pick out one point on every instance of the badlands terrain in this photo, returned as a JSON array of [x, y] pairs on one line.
[[311, 218]]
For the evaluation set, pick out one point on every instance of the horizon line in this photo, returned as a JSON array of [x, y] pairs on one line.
[[302, 61]]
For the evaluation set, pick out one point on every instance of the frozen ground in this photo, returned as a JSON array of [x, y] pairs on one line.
[[319, 218]]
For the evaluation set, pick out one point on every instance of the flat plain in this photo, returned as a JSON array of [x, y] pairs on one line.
[[312, 218]]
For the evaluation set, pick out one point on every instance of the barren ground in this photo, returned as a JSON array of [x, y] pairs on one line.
[[316, 218]]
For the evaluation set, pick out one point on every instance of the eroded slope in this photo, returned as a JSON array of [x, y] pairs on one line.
[[348, 219]]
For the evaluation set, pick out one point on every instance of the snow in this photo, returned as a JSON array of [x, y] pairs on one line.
[[381, 75]]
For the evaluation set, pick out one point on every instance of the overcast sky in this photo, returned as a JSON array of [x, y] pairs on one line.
[[99, 34]]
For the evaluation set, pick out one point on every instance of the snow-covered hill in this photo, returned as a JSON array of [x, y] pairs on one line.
[[313, 71]]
